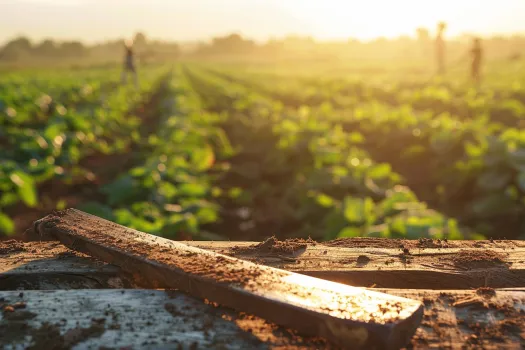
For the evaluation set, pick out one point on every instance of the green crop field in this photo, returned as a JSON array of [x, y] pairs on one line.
[[217, 151]]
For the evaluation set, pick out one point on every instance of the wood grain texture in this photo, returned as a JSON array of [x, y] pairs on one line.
[[50, 266], [152, 319], [425, 268], [381, 263], [345, 315]]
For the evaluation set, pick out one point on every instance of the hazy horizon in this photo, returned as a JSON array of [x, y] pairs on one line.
[[97, 20]]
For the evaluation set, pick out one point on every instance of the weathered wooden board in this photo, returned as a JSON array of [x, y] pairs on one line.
[[50, 265], [362, 262], [347, 316], [96, 319], [382, 263]]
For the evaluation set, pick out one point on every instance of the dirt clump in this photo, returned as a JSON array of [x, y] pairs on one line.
[[363, 260], [11, 246], [15, 312], [422, 243], [478, 259], [273, 245], [364, 242], [12, 307], [487, 292], [432, 243]]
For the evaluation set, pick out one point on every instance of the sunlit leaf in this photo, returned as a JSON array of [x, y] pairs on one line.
[[380, 171], [324, 200], [26, 188], [7, 226], [203, 158]]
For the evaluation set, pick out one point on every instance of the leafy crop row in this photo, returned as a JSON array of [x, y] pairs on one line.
[[50, 122], [301, 175]]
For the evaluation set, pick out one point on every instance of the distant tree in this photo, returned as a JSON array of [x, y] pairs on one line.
[[46, 48], [16, 48], [232, 43], [72, 48], [273, 45]]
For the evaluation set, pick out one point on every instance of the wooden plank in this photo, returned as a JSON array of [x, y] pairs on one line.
[[168, 319], [97, 319], [382, 263], [50, 265], [345, 315]]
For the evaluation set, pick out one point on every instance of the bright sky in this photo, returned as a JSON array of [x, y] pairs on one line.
[[93, 20]]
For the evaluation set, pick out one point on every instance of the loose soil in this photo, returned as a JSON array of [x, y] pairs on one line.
[[478, 259], [486, 292], [498, 331], [361, 242], [28, 250], [505, 323], [278, 337], [273, 245], [11, 246]]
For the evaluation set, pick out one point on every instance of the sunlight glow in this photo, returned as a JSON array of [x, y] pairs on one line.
[[385, 18], [257, 19]]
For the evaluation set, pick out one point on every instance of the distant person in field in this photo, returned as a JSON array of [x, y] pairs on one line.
[[440, 48], [477, 56], [129, 64]]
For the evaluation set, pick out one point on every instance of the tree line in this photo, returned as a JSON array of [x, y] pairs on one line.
[[21, 48]]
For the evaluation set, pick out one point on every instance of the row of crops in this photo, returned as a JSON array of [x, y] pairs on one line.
[[213, 153], [51, 122], [468, 166]]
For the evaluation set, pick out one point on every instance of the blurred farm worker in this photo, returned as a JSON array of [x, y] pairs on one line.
[[440, 48], [129, 64], [477, 56]]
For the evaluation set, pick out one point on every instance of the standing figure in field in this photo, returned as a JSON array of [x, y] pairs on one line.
[[129, 65], [440, 48], [477, 56]]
